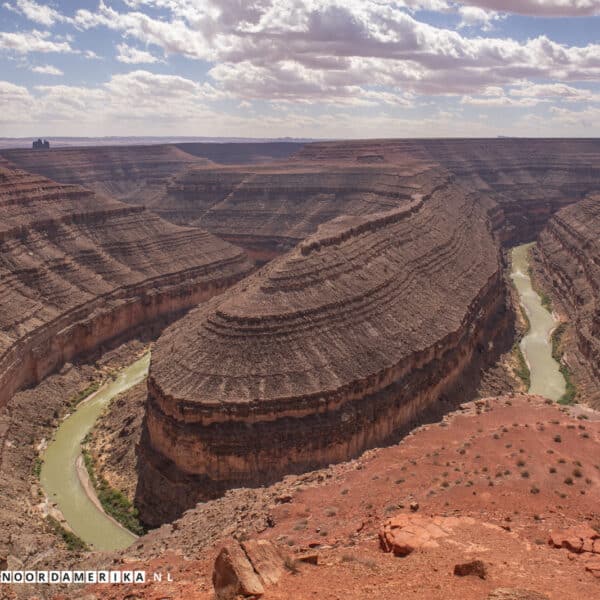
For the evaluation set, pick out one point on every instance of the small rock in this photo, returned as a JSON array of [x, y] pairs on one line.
[[311, 559], [473, 567], [515, 594], [592, 565], [414, 506]]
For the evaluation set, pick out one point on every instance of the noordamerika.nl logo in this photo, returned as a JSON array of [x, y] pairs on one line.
[[65, 577]]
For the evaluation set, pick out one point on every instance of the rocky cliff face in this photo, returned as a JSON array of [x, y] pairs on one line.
[[529, 180], [136, 174], [267, 210], [328, 350], [568, 256], [78, 270]]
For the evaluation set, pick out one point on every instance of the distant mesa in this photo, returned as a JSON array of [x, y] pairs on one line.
[[40, 144], [370, 158]]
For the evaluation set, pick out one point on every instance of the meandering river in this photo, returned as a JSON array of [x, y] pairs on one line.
[[62, 483], [536, 345], [59, 475]]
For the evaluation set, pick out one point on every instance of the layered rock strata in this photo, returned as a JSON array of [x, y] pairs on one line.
[[241, 153], [267, 210], [136, 174], [528, 179], [78, 270], [568, 254], [328, 350]]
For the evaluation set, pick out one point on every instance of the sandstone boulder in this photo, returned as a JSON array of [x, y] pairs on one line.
[[266, 559], [406, 533], [246, 568], [233, 574], [581, 538]]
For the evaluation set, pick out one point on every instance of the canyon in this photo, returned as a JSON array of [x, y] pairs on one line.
[[380, 303], [326, 351], [80, 270], [568, 263]]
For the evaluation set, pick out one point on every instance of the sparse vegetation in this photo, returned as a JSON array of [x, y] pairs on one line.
[[37, 467], [73, 542], [570, 391], [83, 394], [522, 369], [113, 501]]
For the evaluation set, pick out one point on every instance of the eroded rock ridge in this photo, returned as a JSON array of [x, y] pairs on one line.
[[328, 350]]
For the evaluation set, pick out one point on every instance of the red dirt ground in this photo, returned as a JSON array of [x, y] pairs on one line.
[[505, 462]]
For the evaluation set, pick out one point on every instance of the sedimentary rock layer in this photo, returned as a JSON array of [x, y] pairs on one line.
[[568, 252], [136, 174], [78, 270], [529, 179], [268, 209], [328, 350]]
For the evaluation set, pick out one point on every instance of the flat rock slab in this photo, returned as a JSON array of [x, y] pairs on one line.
[[406, 533]]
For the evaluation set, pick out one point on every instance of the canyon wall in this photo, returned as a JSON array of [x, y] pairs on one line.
[[267, 209], [241, 153], [326, 351], [136, 174], [528, 179], [78, 270], [568, 257]]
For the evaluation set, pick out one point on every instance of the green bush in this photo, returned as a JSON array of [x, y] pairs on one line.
[[73, 542], [113, 501]]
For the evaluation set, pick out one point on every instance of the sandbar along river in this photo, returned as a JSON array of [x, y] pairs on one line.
[[59, 470], [546, 378]]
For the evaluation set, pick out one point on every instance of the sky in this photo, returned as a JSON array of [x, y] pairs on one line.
[[300, 68]]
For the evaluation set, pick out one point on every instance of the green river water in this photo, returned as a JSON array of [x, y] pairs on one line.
[[546, 378], [59, 473]]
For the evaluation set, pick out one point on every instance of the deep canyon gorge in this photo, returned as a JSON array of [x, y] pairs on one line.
[[306, 303]]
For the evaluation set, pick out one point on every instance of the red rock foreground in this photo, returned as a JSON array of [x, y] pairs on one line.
[[78, 271], [494, 489], [328, 350]]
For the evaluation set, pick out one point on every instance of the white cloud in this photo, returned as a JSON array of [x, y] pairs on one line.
[[363, 56], [540, 8], [39, 13], [323, 50], [16, 102], [555, 91], [472, 16], [32, 41], [47, 70], [529, 94], [134, 56]]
